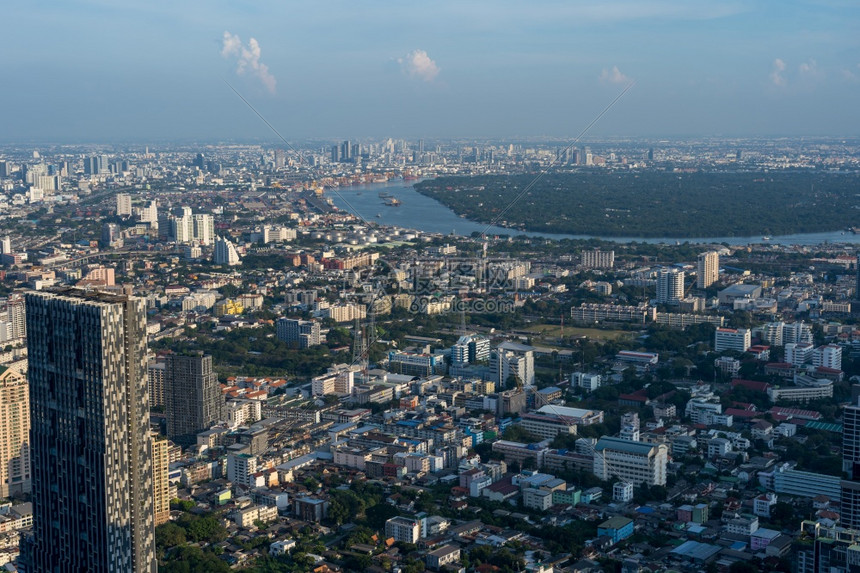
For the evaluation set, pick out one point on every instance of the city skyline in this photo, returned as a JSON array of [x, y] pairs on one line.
[[138, 71]]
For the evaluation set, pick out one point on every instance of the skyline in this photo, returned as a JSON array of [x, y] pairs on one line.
[[136, 71]]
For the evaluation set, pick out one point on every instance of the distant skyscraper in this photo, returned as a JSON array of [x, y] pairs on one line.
[[14, 434], [709, 269], [155, 379], [123, 204], [189, 227], [225, 253], [651, 154], [16, 316], [182, 227], [160, 485], [304, 333], [670, 285], [111, 235], [849, 510], [91, 165], [203, 228], [192, 397], [149, 214], [857, 281], [90, 442]]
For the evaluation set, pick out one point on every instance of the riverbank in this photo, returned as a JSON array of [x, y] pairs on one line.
[[422, 213]]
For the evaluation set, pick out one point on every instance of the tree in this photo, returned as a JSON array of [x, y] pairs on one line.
[[168, 535], [207, 528], [743, 567], [192, 559], [782, 513]]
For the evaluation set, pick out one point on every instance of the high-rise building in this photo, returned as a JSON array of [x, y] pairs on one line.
[[16, 315], [160, 485], [828, 356], [123, 204], [857, 281], [149, 214], [709, 269], [739, 339], [470, 349], [14, 434], [851, 440], [405, 529], [182, 227], [304, 333], [511, 359], [90, 443], [189, 227], [629, 461], [111, 235], [192, 397], [203, 228], [670, 285], [597, 259], [155, 378], [91, 165], [6, 245], [827, 548], [850, 487], [225, 253]]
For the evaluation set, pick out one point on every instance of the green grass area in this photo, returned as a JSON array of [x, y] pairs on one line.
[[554, 331]]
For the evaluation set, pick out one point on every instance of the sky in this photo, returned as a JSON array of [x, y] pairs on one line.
[[148, 70]]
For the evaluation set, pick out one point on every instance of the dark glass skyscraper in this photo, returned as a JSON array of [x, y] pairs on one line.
[[857, 279], [192, 397], [91, 449]]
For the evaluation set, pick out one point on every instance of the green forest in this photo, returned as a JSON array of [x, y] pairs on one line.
[[657, 204]]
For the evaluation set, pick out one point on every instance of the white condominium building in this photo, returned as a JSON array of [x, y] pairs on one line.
[[632, 462]]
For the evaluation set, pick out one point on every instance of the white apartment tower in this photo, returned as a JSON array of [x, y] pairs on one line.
[[631, 462], [732, 339], [225, 253], [123, 204], [670, 285], [828, 356], [597, 259], [709, 269]]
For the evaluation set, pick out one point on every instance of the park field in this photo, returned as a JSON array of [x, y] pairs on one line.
[[551, 332]]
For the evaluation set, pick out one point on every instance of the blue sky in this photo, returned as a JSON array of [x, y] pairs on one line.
[[148, 71]]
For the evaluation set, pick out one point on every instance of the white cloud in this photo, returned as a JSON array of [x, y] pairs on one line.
[[247, 59], [613, 76], [850, 75], [417, 64], [810, 70], [809, 67], [776, 76]]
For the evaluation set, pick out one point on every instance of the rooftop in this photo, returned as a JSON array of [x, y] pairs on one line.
[[621, 445], [616, 522]]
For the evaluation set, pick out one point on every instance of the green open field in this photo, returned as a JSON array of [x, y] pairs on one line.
[[550, 332]]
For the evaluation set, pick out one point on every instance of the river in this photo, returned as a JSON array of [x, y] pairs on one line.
[[422, 213]]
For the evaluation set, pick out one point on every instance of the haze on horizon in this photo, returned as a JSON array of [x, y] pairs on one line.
[[79, 71]]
